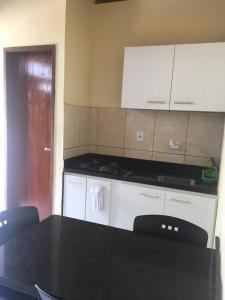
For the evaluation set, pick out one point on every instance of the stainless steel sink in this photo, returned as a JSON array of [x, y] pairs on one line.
[[173, 180], [176, 180]]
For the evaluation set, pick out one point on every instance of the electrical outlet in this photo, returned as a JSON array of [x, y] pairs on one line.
[[140, 136]]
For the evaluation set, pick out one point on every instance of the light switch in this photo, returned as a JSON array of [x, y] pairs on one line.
[[140, 135]]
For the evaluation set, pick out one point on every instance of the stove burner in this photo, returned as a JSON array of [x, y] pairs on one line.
[[113, 168], [84, 165], [90, 165], [103, 169], [114, 165], [94, 162]]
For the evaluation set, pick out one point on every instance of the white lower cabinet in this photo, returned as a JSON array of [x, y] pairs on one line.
[[200, 210], [131, 200], [117, 203], [98, 201], [74, 196]]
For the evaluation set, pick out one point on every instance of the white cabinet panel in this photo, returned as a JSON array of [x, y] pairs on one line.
[[92, 215], [123, 201], [130, 200], [199, 210], [147, 77], [198, 77], [74, 196]]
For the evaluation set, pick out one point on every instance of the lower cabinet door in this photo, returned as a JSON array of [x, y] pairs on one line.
[[200, 210], [74, 196], [98, 201], [130, 200]]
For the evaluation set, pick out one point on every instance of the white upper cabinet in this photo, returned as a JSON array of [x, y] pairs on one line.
[[198, 78], [147, 77], [183, 77]]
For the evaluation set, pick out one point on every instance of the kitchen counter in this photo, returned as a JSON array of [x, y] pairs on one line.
[[80, 260], [170, 175]]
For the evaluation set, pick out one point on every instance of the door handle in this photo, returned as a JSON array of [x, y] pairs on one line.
[[47, 149], [180, 201], [184, 102], [150, 196], [156, 102], [73, 182]]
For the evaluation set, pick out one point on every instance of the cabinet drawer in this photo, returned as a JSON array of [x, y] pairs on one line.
[[98, 215], [199, 210], [130, 201]]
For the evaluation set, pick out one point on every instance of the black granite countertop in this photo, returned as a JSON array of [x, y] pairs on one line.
[[79, 260], [171, 175]]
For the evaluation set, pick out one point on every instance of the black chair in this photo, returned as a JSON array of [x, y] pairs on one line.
[[8, 294], [43, 295], [16, 220], [217, 276], [171, 228]]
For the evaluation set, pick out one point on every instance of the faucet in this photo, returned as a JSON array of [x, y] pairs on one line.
[[213, 162]]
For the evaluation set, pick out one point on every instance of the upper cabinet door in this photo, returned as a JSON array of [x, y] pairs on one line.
[[147, 77], [198, 78]]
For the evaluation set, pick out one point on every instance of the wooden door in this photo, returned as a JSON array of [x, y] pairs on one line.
[[147, 77], [30, 108]]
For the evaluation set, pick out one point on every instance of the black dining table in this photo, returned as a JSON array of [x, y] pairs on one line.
[[78, 260]]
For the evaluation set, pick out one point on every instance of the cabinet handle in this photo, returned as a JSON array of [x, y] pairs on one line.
[[150, 196], [184, 102], [180, 201], [156, 102], [73, 182]]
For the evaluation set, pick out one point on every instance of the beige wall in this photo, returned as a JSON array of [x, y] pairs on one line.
[[78, 51], [145, 22], [24, 23]]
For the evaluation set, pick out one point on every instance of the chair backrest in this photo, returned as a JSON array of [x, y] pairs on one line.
[[43, 295], [15, 220], [171, 228]]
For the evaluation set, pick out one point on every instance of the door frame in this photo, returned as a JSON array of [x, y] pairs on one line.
[[38, 49]]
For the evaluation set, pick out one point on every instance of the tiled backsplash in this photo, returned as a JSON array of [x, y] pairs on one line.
[[76, 130], [113, 131]]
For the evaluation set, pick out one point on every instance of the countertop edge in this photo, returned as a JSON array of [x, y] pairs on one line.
[[157, 184]]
